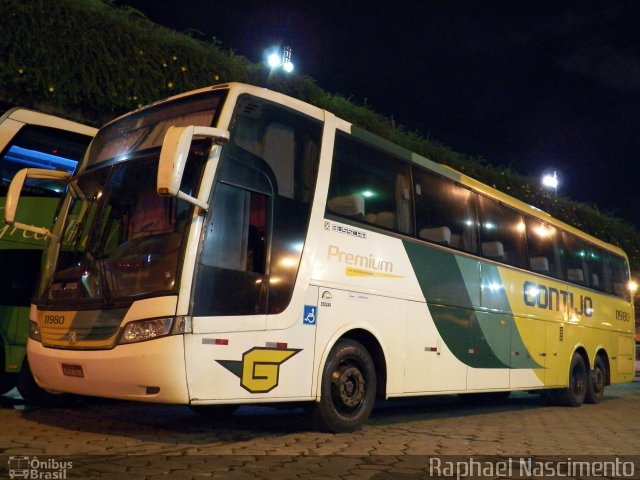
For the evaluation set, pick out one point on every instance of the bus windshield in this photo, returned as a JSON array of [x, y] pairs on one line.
[[121, 240], [145, 129]]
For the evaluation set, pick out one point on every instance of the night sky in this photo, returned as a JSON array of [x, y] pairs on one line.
[[534, 85]]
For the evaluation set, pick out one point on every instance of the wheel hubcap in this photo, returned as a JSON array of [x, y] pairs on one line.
[[349, 383]]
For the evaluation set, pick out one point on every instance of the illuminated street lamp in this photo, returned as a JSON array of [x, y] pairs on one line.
[[273, 60], [277, 60], [551, 181]]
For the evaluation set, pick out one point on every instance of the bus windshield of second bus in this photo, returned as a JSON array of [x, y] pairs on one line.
[[29, 139]]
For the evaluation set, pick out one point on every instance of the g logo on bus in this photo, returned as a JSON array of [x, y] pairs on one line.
[[72, 337], [259, 369]]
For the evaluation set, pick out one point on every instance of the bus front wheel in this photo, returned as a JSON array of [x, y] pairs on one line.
[[34, 395], [576, 391], [348, 388]]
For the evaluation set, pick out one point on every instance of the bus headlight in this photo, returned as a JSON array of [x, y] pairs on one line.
[[146, 330], [142, 330], [34, 331]]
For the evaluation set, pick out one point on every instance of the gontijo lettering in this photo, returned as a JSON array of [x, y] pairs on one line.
[[550, 298]]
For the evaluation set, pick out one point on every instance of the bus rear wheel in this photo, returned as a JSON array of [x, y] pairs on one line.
[[348, 388], [597, 382], [576, 391]]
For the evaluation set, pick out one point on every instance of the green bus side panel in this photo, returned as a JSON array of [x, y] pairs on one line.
[[36, 211], [14, 320]]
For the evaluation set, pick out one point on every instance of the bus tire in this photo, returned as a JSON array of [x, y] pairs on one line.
[[34, 395], [348, 388], [575, 393], [597, 382]]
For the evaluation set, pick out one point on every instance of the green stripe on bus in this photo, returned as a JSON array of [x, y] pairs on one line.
[[494, 299], [451, 286]]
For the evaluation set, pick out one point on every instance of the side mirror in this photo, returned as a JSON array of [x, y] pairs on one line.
[[173, 157], [13, 194]]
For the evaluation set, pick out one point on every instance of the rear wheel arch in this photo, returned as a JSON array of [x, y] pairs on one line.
[[580, 350]]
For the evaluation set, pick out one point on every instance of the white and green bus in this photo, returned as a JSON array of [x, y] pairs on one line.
[[36, 140], [233, 245]]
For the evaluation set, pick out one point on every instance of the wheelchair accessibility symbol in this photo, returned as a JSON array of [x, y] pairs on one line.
[[309, 317]]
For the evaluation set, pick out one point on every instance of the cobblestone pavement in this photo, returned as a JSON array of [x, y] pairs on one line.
[[122, 440]]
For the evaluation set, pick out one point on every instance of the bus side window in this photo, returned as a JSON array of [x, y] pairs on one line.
[[445, 212], [618, 271], [233, 258], [285, 140], [574, 259], [236, 234], [597, 263], [502, 232], [368, 185], [542, 247]]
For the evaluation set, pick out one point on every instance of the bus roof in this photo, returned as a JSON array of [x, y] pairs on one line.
[[32, 117]]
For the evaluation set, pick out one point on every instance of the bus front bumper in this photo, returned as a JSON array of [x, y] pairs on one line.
[[151, 371]]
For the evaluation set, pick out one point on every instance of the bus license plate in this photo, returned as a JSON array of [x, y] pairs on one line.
[[70, 370]]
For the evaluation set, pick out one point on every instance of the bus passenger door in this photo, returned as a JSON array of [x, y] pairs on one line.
[[230, 285]]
